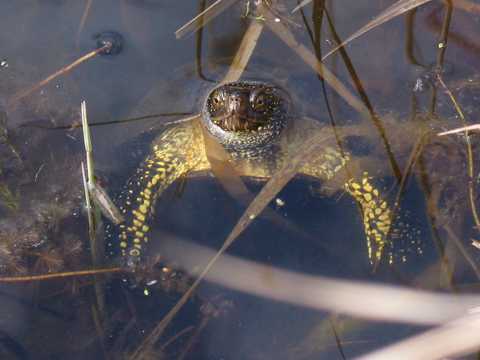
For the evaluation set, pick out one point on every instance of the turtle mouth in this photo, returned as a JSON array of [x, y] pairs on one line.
[[237, 122]]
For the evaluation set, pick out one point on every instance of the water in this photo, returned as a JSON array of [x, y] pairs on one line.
[[318, 230]]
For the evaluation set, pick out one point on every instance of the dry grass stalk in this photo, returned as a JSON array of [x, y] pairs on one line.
[[463, 129], [468, 144], [375, 302], [83, 20], [204, 17], [311, 60], [456, 338], [13, 101], [91, 272], [397, 9]]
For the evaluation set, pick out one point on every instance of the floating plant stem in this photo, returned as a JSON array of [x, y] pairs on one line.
[[460, 129], [194, 338], [199, 44], [453, 340], [442, 41], [76, 125], [374, 301], [13, 101], [204, 17], [441, 48], [374, 118], [177, 336], [301, 5], [83, 20], [248, 44], [468, 144], [364, 108], [397, 9], [412, 160], [18, 279], [310, 59], [410, 38]]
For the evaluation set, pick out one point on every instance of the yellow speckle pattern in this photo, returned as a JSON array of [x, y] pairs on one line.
[[375, 210], [181, 149], [174, 153], [377, 217]]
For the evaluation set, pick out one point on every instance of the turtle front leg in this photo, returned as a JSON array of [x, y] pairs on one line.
[[377, 216], [173, 153]]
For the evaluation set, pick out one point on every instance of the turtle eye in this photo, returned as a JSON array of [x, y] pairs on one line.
[[258, 100], [216, 101]]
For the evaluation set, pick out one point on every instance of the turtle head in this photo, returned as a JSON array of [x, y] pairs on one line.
[[246, 112]]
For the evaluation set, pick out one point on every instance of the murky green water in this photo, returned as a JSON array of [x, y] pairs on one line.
[[315, 229]]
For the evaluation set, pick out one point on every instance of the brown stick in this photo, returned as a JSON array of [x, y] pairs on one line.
[[24, 93], [17, 279]]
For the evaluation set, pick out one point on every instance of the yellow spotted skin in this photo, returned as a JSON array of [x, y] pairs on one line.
[[377, 217], [172, 154], [182, 149]]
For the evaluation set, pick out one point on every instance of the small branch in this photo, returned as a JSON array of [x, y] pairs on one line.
[[18, 279], [22, 94]]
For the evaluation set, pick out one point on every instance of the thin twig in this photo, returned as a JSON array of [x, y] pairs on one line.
[[397, 9], [441, 48], [13, 101], [244, 52], [363, 106], [119, 121], [410, 37], [204, 17], [460, 129], [470, 168], [83, 20], [310, 59], [18, 279], [374, 301], [414, 155], [301, 5], [451, 340]]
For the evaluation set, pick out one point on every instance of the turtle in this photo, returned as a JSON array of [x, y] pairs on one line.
[[256, 123]]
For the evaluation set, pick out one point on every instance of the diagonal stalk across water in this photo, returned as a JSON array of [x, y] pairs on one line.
[[397, 9]]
